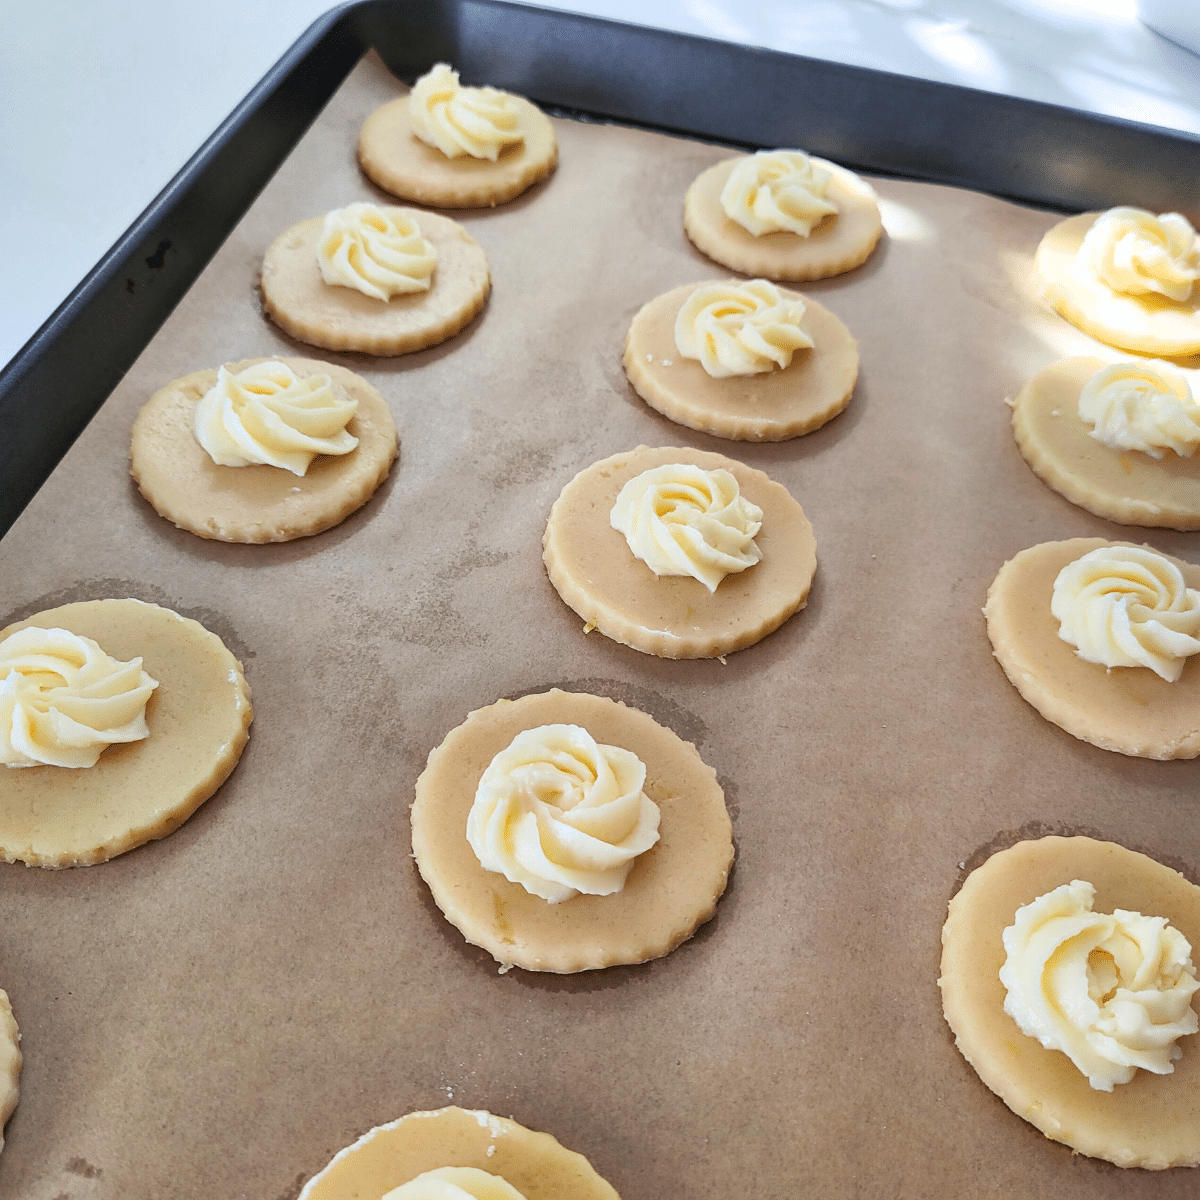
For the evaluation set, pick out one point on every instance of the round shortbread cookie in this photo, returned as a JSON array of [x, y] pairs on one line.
[[1127, 709], [397, 160], [768, 407], [672, 889], [594, 571], [257, 503], [199, 719], [1146, 323], [301, 303], [1123, 485], [1154, 1120], [536, 1164], [841, 242], [10, 1062]]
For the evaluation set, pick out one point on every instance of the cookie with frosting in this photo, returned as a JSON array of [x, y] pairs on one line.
[[265, 450], [1117, 438], [679, 553], [744, 360], [118, 719], [1102, 638], [568, 832], [451, 146], [381, 280], [782, 214], [1067, 978], [1127, 277]]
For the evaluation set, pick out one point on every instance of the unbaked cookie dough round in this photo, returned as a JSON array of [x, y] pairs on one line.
[[672, 889], [1126, 709], [257, 503], [594, 571], [839, 243], [301, 303], [1154, 1120], [536, 1164], [1146, 323], [199, 718], [768, 407], [1122, 485], [397, 160], [10, 1063]]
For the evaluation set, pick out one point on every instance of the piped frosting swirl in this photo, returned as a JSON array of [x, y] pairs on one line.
[[740, 328], [777, 191], [561, 814], [680, 519], [379, 253], [476, 121], [1113, 993], [268, 415], [1142, 405], [1128, 606], [1135, 252], [63, 700]]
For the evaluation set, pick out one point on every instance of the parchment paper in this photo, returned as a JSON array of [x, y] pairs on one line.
[[216, 1014]]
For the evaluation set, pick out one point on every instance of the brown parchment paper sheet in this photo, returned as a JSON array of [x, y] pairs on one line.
[[215, 1014]]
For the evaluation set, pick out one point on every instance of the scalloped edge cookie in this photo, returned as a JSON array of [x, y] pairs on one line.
[[1146, 324], [393, 157], [333, 317], [199, 718], [10, 1062], [257, 504], [1125, 486], [596, 574], [839, 243], [1129, 710], [671, 891], [1154, 1120], [536, 1164], [769, 407]]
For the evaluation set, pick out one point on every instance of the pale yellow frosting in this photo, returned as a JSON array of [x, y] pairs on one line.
[[479, 121], [561, 814], [267, 415], [63, 701], [381, 254], [1142, 405], [1135, 252], [1128, 606], [1113, 993], [455, 1183], [740, 328], [680, 519], [777, 191]]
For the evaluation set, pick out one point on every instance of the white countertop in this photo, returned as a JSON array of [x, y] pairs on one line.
[[103, 103]]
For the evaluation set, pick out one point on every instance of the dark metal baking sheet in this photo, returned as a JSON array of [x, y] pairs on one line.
[[876, 121]]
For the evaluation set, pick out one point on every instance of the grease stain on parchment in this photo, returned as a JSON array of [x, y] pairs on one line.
[[112, 588], [1032, 831], [84, 1169]]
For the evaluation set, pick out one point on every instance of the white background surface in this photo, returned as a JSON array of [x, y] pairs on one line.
[[103, 102]]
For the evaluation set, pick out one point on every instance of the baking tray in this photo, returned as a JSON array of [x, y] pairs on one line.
[[744, 96], [277, 965]]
